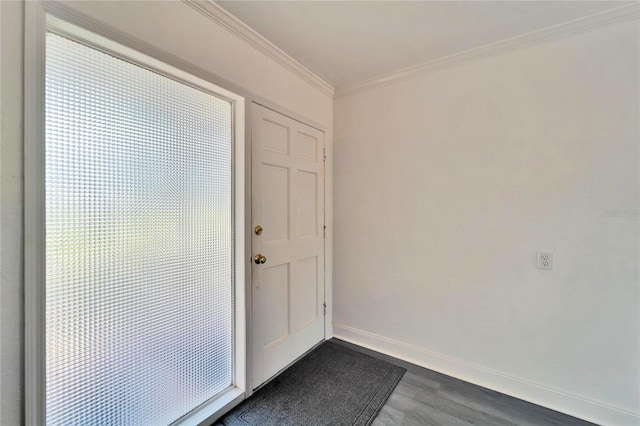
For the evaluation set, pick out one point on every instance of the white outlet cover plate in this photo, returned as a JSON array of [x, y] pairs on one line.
[[545, 260]]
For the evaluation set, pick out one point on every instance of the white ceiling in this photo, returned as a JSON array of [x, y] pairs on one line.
[[346, 42]]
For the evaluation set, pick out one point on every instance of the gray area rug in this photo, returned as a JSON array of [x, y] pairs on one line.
[[333, 385]]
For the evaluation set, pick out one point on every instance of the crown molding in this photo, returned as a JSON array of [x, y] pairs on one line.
[[241, 30], [615, 15]]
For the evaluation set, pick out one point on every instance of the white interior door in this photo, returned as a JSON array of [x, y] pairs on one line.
[[288, 204]]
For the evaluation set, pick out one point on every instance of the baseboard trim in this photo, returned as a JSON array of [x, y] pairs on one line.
[[555, 399]]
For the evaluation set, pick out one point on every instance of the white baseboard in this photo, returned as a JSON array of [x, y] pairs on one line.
[[564, 402]]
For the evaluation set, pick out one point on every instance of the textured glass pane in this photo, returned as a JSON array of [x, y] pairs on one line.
[[139, 284]]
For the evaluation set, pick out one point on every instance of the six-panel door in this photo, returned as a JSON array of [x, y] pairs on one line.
[[288, 203]]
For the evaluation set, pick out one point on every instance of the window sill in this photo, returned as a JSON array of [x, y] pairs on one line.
[[211, 411]]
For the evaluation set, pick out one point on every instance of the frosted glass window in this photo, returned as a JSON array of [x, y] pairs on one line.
[[139, 241]]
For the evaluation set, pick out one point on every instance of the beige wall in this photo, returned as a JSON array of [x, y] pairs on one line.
[[449, 183], [173, 27]]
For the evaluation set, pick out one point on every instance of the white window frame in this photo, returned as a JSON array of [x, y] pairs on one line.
[[40, 18]]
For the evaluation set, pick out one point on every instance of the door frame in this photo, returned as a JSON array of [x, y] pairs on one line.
[[35, 25], [41, 17]]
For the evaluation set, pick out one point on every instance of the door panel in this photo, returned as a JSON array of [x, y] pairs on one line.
[[307, 147], [307, 204], [288, 203], [276, 338], [306, 293], [276, 136], [275, 189], [275, 288]]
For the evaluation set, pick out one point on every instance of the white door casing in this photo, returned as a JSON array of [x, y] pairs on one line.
[[288, 203]]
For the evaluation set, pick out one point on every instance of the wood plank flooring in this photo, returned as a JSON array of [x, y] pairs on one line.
[[424, 397]]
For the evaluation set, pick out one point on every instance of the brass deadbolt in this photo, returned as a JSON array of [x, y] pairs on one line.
[[258, 230]]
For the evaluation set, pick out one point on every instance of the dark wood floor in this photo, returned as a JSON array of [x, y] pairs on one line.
[[424, 397]]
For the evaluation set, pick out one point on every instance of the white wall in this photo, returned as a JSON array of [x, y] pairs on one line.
[[447, 185], [170, 26], [178, 29]]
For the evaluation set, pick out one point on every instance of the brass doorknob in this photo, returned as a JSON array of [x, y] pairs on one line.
[[258, 258]]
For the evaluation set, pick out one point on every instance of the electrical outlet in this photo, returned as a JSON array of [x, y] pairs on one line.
[[545, 260]]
